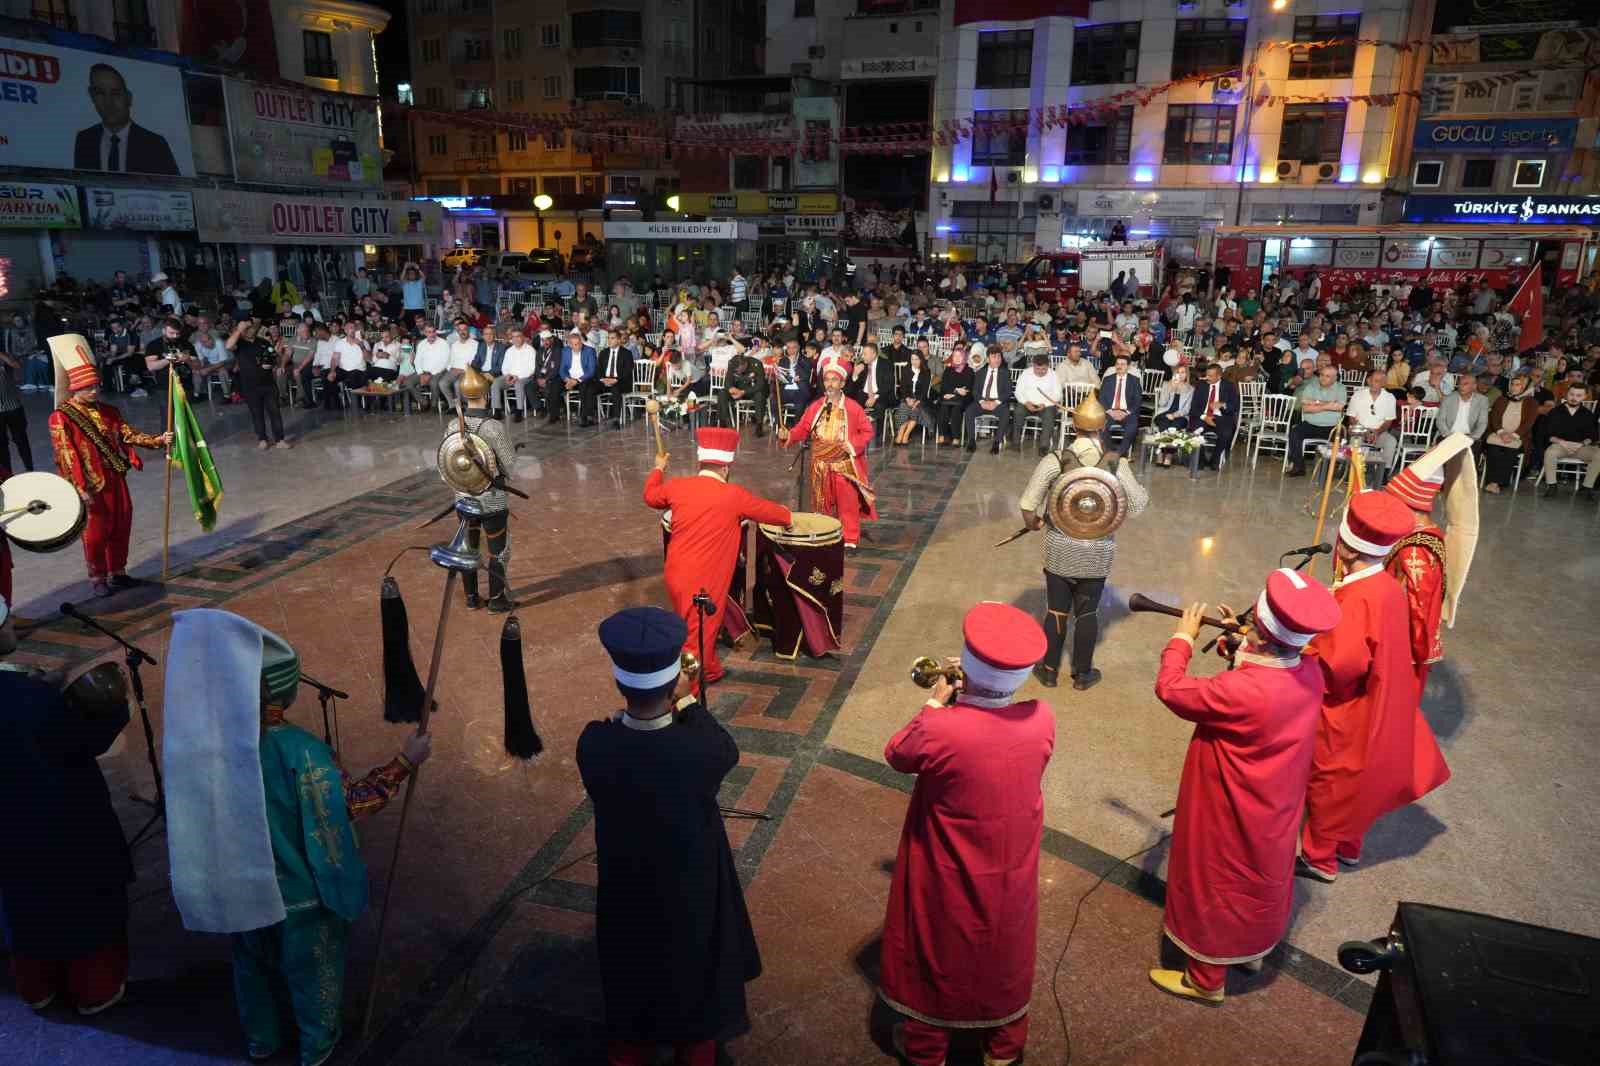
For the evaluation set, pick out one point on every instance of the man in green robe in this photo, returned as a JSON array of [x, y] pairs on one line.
[[261, 825]]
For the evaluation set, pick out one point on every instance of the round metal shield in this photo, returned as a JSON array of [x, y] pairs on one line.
[[458, 467], [1088, 503]]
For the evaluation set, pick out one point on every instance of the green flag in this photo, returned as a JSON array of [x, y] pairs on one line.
[[191, 455]]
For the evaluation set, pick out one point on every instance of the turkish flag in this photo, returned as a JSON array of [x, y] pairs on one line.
[[1529, 304], [238, 33]]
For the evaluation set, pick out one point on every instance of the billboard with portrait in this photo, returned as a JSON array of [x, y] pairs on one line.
[[287, 135], [70, 110]]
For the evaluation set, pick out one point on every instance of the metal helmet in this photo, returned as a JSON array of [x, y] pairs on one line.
[[474, 387], [1090, 415]]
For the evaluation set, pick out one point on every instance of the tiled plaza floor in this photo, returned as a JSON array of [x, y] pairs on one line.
[[491, 957]]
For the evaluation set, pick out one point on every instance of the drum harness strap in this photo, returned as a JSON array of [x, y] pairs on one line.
[[78, 417]]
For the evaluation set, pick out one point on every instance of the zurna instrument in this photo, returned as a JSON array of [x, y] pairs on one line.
[[1140, 602]]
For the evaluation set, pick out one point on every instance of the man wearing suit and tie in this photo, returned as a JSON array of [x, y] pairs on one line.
[[872, 386], [1120, 394], [613, 376], [993, 392], [794, 392], [116, 144], [1215, 410], [574, 370]]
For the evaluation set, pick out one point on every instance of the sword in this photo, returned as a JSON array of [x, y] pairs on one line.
[[1023, 532]]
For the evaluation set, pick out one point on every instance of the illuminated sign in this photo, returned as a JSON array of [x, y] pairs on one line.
[[1524, 210], [1496, 135]]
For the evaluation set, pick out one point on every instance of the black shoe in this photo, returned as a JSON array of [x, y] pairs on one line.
[[473, 603], [123, 581], [500, 604], [1548, 490], [994, 449], [1296, 471], [1088, 679], [1045, 675], [972, 445], [517, 417], [616, 423], [586, 423], [1586, 493]]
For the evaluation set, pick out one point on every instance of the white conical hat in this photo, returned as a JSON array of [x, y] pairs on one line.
[[1452, 457]]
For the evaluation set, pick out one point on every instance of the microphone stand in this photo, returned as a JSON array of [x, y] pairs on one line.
[[326, 695], [705, 608], [135, 657]]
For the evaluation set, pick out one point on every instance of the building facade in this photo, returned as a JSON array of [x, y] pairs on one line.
[[584, 67], [170, 135], [1170, 117], [1506, 129]]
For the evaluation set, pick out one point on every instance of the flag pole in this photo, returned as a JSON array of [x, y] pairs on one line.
[[1335, 442], [166, 521]]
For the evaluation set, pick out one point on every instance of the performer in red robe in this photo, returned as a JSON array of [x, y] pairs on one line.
[[1230, 877], [707, 511], [963, 916], [94, 450], [840, 433], [1418, 562], [1375, 752]]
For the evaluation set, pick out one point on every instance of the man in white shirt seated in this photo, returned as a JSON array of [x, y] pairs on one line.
[[349, 369], [316, 367], [463, 351], [1075, 369], [1038, 394], [214, 358], [430, 360], [519, 365], [1371, 413]]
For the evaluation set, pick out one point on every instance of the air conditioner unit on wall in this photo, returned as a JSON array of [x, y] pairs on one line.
[[1047, 203], [1013, 177], [1288, 169], [1327, 172]]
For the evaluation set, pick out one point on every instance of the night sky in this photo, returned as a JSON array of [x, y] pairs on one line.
[[394, 55]]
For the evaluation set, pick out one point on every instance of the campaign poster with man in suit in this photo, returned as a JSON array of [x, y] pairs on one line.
[[71, 109]]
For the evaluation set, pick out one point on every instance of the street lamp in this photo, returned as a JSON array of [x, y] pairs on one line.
[[672, 203], [541, 204]]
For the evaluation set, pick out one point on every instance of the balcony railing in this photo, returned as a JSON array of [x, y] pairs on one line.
[[607, 40], [140, 34]]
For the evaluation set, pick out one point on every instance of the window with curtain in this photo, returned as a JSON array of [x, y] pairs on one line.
[[1005, 59], [1101, 141], [319, 55], [1199, 134], [1208, 46], [1312, 133], [1107, 54], [1335, 61], [999, 138]]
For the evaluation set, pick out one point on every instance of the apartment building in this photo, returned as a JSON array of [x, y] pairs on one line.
[[1181, 115]]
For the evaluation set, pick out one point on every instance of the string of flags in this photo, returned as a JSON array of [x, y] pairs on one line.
[[711, 134]]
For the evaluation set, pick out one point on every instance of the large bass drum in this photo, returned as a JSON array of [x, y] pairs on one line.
[[41, 512]]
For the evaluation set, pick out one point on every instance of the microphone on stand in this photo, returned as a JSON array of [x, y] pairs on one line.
[[1309, 550]]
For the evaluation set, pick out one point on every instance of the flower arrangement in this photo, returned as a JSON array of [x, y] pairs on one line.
[[1181, 441]]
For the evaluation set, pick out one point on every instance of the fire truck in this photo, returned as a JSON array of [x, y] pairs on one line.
[[1055, 276]]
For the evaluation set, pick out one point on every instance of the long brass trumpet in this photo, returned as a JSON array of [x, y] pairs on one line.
[[926, 672], [688, 665], [1140, 602]]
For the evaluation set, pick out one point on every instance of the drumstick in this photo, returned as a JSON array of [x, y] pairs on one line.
[[652, 410]]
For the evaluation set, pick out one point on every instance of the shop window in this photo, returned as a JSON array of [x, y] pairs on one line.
[[1005, 59], [1332, 61], [319, 55], [1099, 141], [622, 185], [999, 138], [1312, 133], [1428, 173], [1478, 174], [1107, 54], [1208, 46], [1199, 134], [1528, 175]]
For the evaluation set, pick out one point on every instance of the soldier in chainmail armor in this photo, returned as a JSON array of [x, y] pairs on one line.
[[487, 513]]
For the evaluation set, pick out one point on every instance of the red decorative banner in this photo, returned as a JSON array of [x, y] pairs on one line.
[[999, 10]]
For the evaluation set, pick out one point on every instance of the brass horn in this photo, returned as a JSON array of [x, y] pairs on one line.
[[688, 665], [926, 672]]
